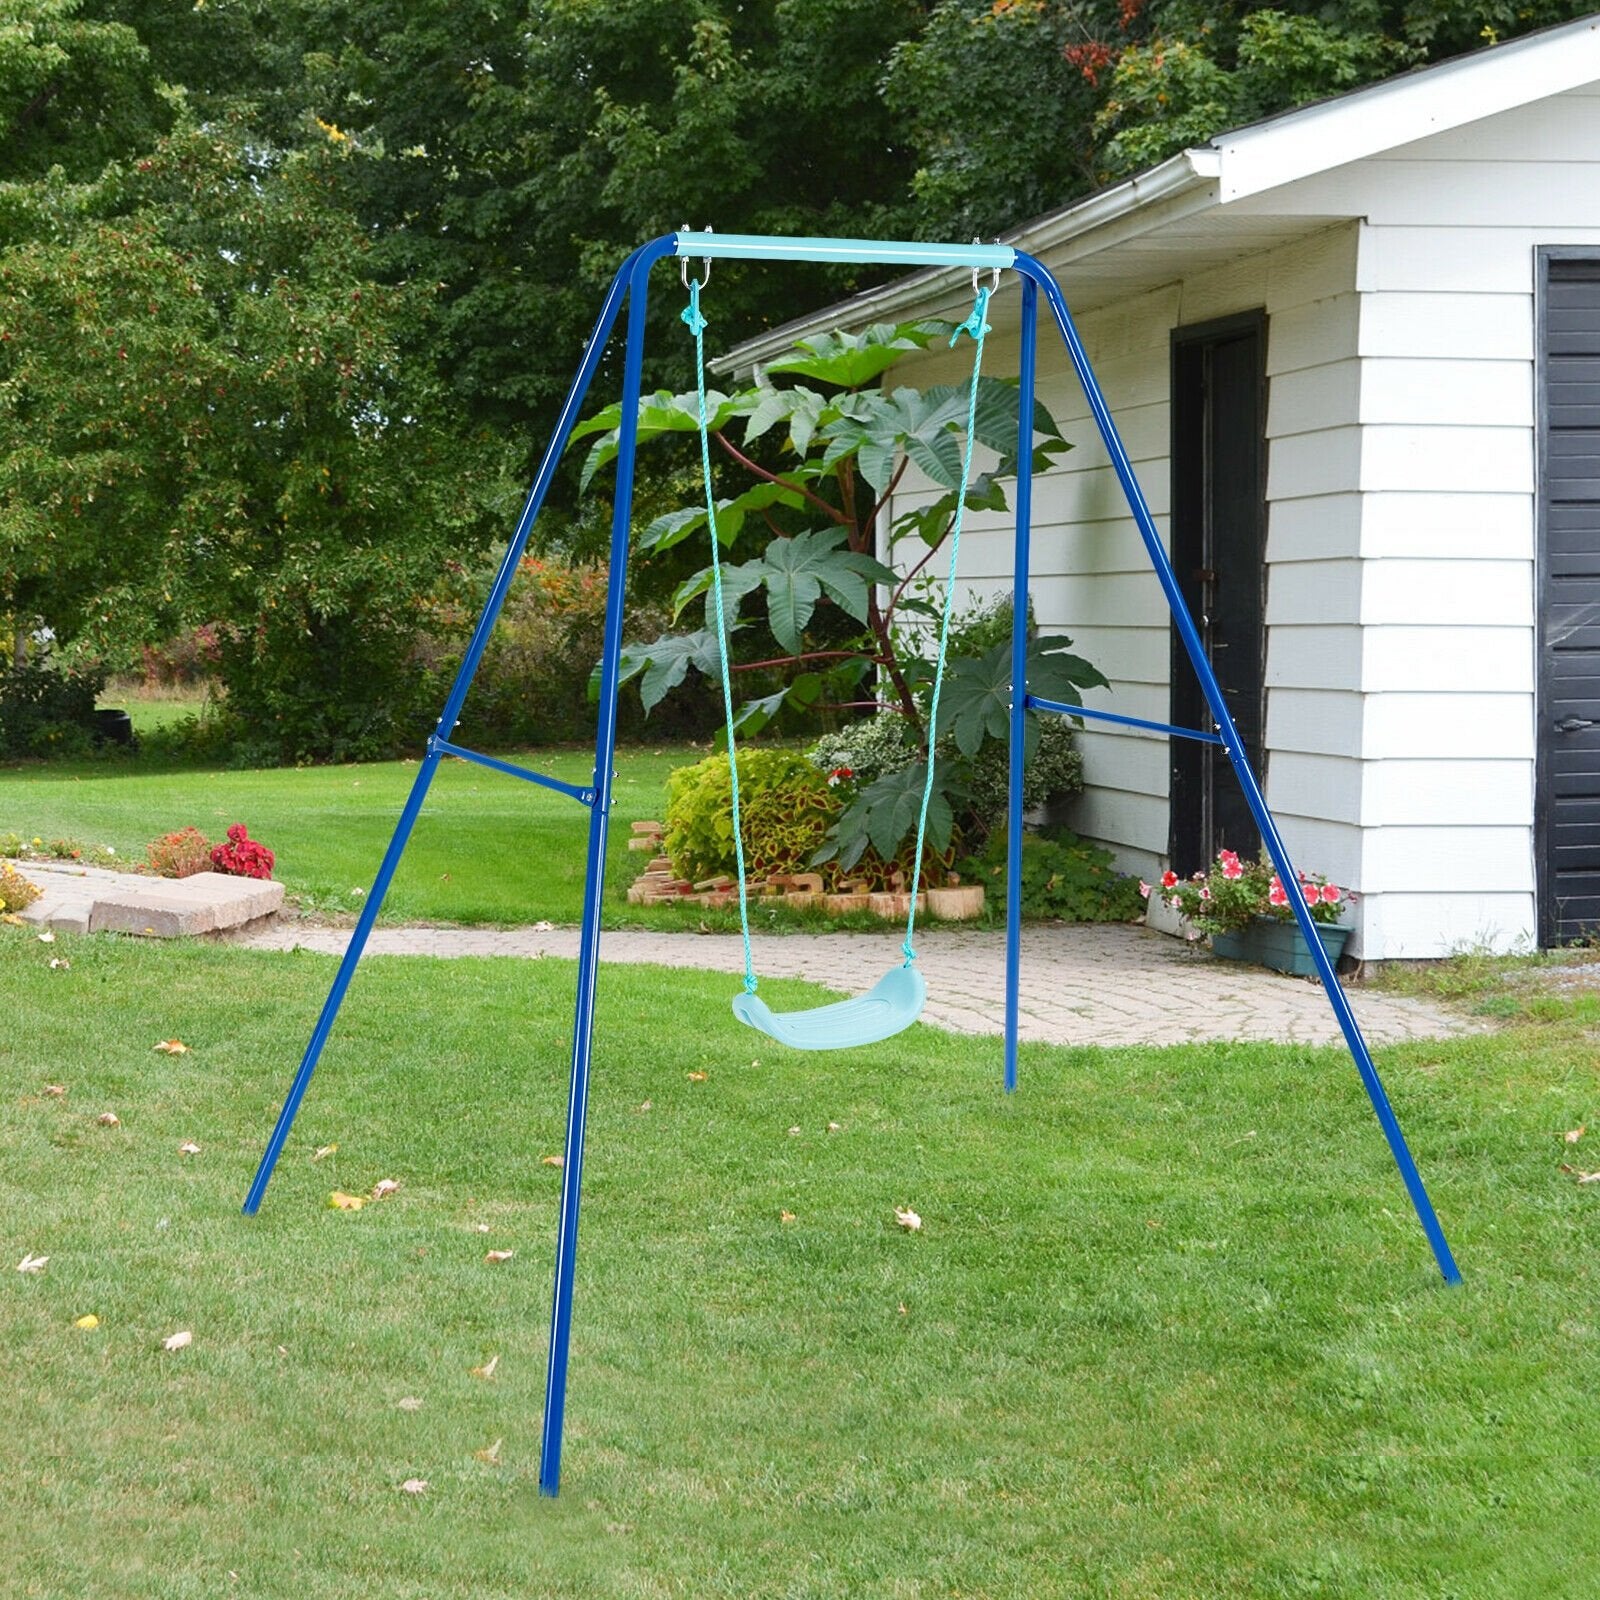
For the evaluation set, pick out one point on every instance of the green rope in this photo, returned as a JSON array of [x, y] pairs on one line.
[[977, 327], [697, 326]]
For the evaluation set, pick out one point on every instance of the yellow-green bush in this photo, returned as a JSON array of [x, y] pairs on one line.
[[785, 803], [15, 890]]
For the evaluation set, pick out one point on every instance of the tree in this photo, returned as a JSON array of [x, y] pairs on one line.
[[204, 416], [1016, 107], [821, 464], [515, 154]]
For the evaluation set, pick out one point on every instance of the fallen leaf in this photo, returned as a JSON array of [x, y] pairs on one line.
[[324, 1150], [544, 927], [59, 962], [171, 1047], [908, 1219], [495, 1257], [188, 1148], [552, 1161], [414, 1486], [786, 1216], [90, 1321], [697, 1077], [487, 1369], [1580, 1175], [1573, 1135], [794, 1133], [32, 1263], [483, 1227], [833, 1127], [490, 1454], [55, 1089], [903, 1308], [410, 1403], [384, 1187], [12, 918], [340, 1201], [47, 938], [109, 1119], [645, 1105], [178, 1341]]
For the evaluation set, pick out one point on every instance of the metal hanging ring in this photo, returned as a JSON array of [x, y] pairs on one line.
[[683, 262], [994, 276]]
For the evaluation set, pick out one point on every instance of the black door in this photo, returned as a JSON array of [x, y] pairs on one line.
[[1219, 524], [1568, 782]]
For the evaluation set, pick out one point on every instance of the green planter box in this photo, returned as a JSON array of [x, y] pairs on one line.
[[1279, 945]]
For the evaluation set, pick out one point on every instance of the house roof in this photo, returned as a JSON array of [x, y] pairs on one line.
[[1212, 204]]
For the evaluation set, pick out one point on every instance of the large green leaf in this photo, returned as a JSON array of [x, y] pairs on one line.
[[975, 702], [853, 359], [737, 582], [797, 572], [659, 413], [885, 814], [676, 526], [666, 663]]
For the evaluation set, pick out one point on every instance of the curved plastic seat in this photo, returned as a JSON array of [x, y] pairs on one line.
[[893, 1003]]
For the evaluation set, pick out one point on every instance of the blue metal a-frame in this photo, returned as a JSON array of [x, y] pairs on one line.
[[630, 286]]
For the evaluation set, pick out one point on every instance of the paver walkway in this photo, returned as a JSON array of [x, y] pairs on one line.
[[1079, 984]]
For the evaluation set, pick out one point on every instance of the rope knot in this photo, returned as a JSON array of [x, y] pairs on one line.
[[974, 325], [691, 314]]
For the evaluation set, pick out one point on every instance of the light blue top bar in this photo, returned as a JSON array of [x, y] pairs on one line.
[[901, 252]]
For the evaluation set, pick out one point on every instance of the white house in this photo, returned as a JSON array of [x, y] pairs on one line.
[[1354, 352]]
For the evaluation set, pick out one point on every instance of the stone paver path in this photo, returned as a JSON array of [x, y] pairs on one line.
[[1080, 984]]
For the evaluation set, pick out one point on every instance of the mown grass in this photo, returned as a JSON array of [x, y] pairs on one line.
[[1169, 1328], [487, 848]]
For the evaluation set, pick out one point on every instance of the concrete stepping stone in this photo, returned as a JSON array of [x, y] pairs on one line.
[[79, 899]]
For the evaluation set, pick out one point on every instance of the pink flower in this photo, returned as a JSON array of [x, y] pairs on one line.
[[1231, 868], [1330, 894], [1144, 890], [1311, 892], [1276, 896], [1205, 893]]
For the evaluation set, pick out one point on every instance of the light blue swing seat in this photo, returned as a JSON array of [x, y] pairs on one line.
[[893, 1003]]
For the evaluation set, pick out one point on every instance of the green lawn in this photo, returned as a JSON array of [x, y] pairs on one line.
[[1169, 1329], [487, 847]]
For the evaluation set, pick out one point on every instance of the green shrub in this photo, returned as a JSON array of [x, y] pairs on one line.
[[786, 808], [44, 712], [866, 749], [1065, 877], [884, 743], [1054, 771]]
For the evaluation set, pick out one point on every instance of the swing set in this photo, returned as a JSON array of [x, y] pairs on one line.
[[896, 1000]]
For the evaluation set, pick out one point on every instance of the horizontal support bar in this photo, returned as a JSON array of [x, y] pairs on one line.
[[444, 747], [895, 252], [1035, 703]]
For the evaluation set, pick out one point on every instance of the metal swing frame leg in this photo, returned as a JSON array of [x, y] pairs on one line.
[[1226, 735]]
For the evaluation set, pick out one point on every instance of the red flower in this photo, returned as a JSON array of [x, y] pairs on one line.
[[1231, 866], [1330, 894], [1169, 880], [1275, 894], [1311, 892]]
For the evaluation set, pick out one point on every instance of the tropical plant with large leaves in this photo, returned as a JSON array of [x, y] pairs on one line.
[[821, 446]]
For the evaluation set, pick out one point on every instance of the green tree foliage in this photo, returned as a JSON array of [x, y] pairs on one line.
[[1015, 107], [205, 415], [515, 155]]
